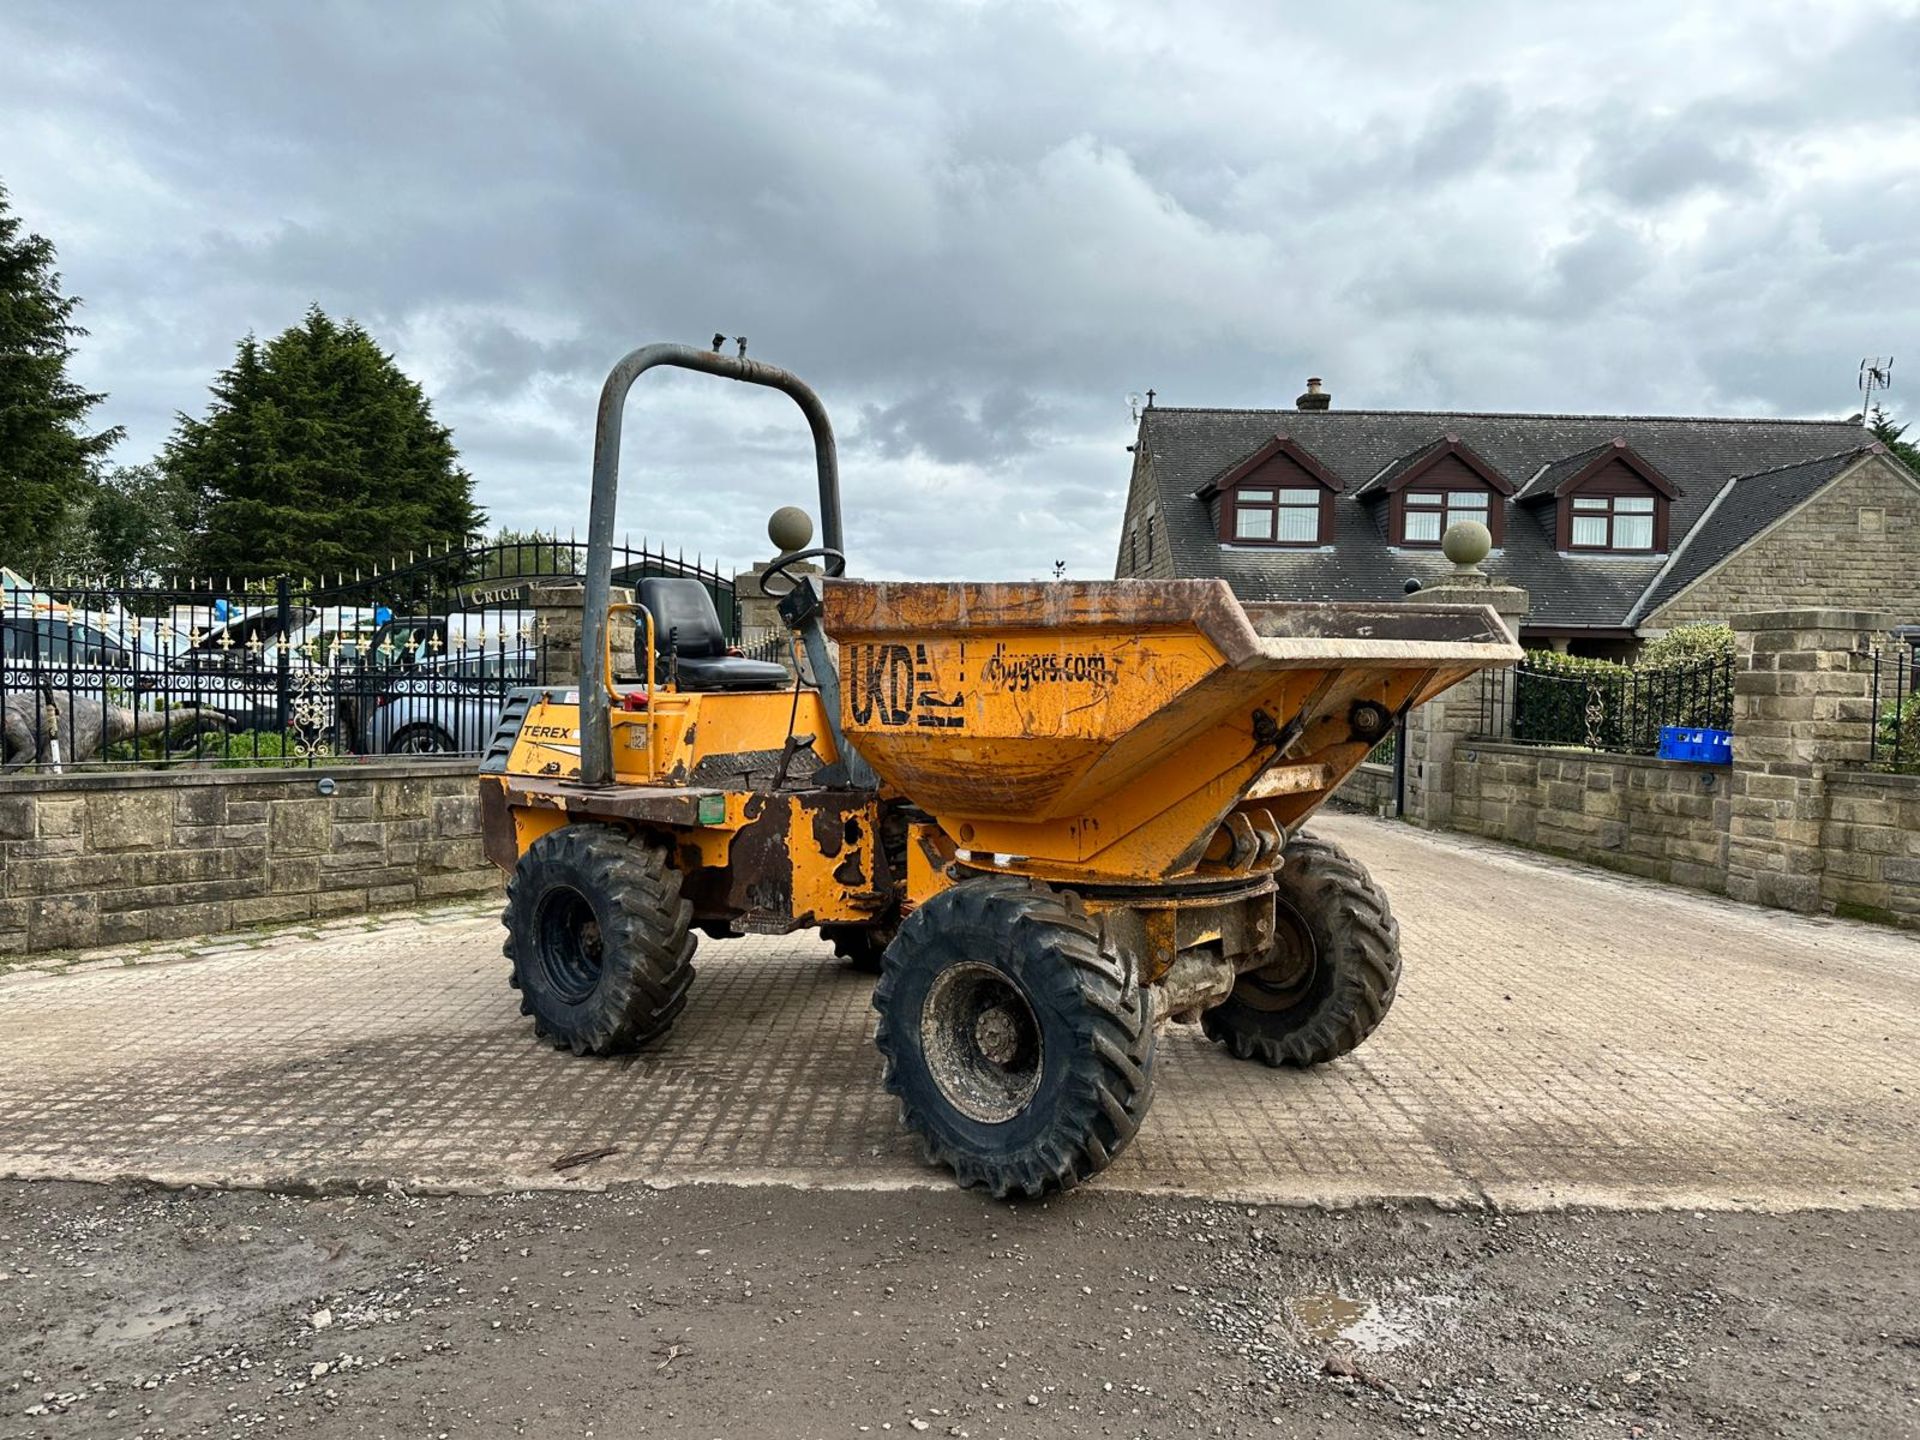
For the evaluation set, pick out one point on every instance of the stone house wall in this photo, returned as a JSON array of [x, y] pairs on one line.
[[121, 858], [1141, 560], [1854, 545]]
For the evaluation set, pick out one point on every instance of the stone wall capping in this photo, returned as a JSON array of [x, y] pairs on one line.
[[276, 780]]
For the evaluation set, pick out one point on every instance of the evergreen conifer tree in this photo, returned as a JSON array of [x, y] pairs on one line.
[[1893, 437], [46, 454], [318, 455]]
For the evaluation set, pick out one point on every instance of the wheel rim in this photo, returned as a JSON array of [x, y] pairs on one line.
[[571, 949], [982, 1042], [1283, 982], [421, 742]]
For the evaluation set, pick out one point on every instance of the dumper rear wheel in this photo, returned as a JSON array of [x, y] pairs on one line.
[[599, 939], [1335, 965], [1020, 1048]]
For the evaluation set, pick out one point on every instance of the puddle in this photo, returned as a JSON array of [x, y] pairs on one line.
[[1365, 1325]]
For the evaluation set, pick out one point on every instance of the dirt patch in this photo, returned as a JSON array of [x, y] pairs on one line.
[[732, 1311]]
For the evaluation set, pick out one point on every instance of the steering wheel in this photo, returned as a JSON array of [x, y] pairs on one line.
[[831, 561]]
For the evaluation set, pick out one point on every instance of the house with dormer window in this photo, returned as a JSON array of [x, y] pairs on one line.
[[1619, 526]]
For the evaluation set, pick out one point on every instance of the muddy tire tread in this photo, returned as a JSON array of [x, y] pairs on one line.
[[1361, 941], [1111, 1086], [648, 938]]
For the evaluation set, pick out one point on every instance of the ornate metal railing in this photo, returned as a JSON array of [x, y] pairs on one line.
[[412, 660], [1895, 739], [1592, 705]]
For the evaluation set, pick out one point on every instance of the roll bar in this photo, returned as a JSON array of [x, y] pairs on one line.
[[596, 736]]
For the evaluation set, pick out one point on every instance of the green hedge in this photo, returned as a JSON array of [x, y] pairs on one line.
[[1897, 746], [1684, 679]]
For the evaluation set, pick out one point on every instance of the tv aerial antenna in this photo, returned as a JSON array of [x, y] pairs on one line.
[[1875, 374]]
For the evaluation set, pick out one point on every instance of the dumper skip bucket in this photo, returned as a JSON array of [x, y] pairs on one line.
[[1109, 728]]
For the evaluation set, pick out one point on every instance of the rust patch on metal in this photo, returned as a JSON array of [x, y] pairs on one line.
[[496, 826], [852, 871], [828, 828], [760, 868]]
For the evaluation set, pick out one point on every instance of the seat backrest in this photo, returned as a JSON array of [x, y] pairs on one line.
[[683, 617]]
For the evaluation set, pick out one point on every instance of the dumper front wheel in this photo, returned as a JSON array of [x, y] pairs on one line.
[[1335, 965], [599, 939], [1020, 1048]]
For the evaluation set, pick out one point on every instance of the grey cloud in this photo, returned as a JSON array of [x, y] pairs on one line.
[[1003, 424], [1652, 162], [974, 229]]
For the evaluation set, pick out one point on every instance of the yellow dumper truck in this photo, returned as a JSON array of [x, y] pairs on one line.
[[1052, 816]]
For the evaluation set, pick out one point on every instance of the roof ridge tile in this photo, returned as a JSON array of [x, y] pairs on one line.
[[1802, 464], [1505, 415]]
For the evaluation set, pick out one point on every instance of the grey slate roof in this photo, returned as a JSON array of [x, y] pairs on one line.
[[1384, 477], [1188, 447], [1548, 477]]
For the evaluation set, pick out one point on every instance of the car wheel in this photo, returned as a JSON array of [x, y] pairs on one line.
[[422, 740]]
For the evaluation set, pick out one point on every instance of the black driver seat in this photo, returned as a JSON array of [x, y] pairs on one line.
[[687, 629]]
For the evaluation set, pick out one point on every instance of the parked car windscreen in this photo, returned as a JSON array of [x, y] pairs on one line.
[[60, 642]]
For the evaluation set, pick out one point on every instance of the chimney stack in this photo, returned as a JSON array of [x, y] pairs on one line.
[[1315, 398]]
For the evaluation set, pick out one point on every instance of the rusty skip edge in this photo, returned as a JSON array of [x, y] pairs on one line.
[[1247, 636]]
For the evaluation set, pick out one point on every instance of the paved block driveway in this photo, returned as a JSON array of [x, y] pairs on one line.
[[1562, 1036]]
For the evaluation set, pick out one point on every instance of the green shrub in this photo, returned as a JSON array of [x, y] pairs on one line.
[[250, 747], [1897, 746], [1693, 644]]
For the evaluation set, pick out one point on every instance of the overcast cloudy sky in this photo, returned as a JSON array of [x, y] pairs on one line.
[[975, 228]]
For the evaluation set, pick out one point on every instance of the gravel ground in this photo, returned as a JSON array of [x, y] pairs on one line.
[[722, 1311]]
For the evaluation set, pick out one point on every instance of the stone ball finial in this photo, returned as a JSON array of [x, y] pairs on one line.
[[790, 529], [1466, 544]]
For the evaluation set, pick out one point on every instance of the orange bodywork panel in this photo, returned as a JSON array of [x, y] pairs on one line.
[[1107, 731]]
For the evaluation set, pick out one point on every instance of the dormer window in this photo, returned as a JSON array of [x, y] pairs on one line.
[[1438, 485], [1428, 513], [1606, 501], [1279, 495], [1277, 517], [1611, 522]]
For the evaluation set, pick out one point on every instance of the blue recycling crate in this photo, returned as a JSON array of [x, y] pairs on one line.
[[1703, 747]]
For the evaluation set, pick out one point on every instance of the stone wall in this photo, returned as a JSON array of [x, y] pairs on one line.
[[1437, 729], [1853, 546], [1369, 788], [1871, 837], [1802, 708], [1796, 821], [107, 859], [1660, 819]]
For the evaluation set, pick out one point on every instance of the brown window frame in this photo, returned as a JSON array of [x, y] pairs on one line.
[[1615, 472], [1487, 513], [1234, 503], [1447, 467], [1604, 506]]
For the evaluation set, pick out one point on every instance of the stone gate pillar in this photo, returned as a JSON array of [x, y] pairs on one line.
[[558, 606], [1437, 727], [760, 622], [1802, 704]]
